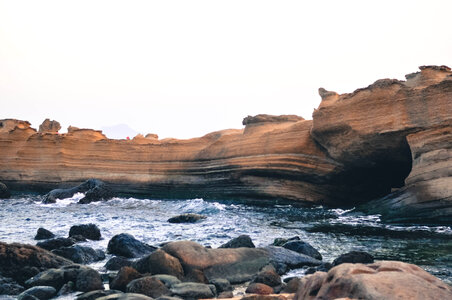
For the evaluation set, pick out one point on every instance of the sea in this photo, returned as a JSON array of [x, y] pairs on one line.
[[331, 231]]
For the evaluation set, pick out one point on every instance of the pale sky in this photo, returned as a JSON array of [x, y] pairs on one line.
[[185, 68]]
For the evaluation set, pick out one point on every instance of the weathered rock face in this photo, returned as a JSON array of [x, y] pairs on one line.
[[381, 280], [49, 126], [272, 158], [390, 130]]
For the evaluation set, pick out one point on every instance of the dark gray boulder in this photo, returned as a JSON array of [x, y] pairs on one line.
[[281, 241], [117, 262], [293, 260], [126, 245], [50, 277], [303, 248], [238, 242], [9, 287], [88, 280], [40, 292], [94, 189], [93, 295], [56, 243], [4, 191], [192, 290], [186, 218], [89, 231], [80, 254], [354, 257], [43, 234]]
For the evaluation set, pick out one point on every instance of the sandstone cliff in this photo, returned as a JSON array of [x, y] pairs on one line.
[[272, 158], [394, 129]]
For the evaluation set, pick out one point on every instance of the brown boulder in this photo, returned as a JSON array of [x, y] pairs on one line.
[[160, 262], [123, 278], [381, 280], [22, 261], [148, 286], [259, 288]]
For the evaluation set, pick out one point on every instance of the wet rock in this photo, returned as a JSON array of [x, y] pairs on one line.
[[117, 262], [236, 265], [222, 285], [93, 295], [240, 241], [51, 277], [56, 243], [192, 290], [88, 280], [259, 288], [381, 280], [291, 286], [160, 262], [67, 288], [324, 267], [168, 280], [303, 248], [291, 259], [354, 257], [49, 126], [40, 292], [43, 234], [125, 296], [126, 245], [225, 295], [268, 277], [4, 191], [281, 241], [95, 190], [186, 218], [9, 287], [123, 278], [80, 254], [21, 261], [148, 286], [89, 231]]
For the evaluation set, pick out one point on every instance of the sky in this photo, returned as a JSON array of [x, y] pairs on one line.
[[185, 68]]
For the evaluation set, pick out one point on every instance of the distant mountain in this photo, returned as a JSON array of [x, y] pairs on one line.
[[120, 131]]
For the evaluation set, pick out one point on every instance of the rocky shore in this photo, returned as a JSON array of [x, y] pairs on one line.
[[187, 270], [386, 146]]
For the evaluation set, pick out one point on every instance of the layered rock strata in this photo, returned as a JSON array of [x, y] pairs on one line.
[[271, 158]]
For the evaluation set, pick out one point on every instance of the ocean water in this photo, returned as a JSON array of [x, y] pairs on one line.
[[331, 231]]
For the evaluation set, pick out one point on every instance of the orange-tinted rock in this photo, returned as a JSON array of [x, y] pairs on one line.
[[123, 278], [381, 280], [49, 126], [259, 288], [274, 159]]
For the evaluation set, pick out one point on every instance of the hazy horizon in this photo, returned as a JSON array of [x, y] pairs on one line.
[[186, 68]]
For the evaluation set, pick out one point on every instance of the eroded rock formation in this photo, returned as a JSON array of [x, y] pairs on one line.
[[271, 159]]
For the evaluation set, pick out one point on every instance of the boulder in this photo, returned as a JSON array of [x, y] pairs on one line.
[[95, 190], [88, 280], [303, 248], [50, 277], [126, 245], [93, 295], [240, 241], [291, 286], [281, 241], [354, 257], [43, 234], [222, 285], [21, 261], [324, 267], [123, 278], [80, 254], [89, 231], [289, 258], [381, 280], [49, 126], [168, 280], [268, 277], [9, 287], [192, 290], [125, 296], [148, 286], [186, 218], [117, 262], [160, 262], [67, 288], [236, 265], [4, 191], [259, 288], [56, 243], [40, 292]]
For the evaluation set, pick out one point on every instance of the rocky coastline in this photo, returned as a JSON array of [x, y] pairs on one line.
[[188, 270]]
